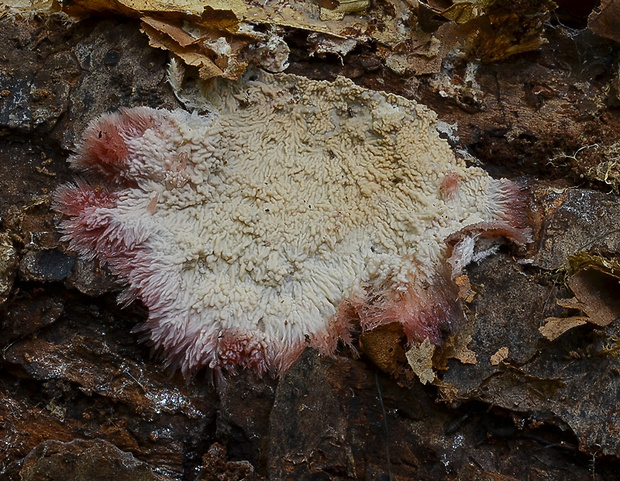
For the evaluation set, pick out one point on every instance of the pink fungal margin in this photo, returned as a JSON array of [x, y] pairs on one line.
[[425, 311], [94, 226], [432, 309], [104, 150]]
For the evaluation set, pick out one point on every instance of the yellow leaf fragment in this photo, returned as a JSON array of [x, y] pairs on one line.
[[464, 11]]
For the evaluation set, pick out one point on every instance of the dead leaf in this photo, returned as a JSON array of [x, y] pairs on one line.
[[597, 295], [420, 358], [490, 30], [556, 326], [456, 348], [176, 33], [336, 10], [216, 53], [595, 282], [462, 11], [384, 346], [497, 358], [465, 291]]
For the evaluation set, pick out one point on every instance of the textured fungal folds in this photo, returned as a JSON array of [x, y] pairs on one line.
[[292, 211]]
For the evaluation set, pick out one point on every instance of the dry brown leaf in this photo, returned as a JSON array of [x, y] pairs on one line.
[[384, 346], [595, 283], [499, 356], [420, 358], [336, 10], [216, 53], [596, 294], [176, 33], [465, 291], [556, 326], [206, 66], [456, 348]]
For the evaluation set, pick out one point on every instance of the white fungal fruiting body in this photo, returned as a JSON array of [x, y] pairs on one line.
[[257, 230]]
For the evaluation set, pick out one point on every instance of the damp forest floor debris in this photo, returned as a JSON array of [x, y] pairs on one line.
[[526, 389]]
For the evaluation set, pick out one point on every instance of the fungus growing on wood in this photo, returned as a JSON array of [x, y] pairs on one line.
[[295, 209]]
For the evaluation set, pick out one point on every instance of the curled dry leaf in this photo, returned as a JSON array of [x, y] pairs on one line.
[[594, 280], [204, 48], [337, 9], [386, 22], [411, 37]]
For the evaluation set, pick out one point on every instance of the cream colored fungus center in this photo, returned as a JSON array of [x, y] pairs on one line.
[[257, 229], [295, 195]]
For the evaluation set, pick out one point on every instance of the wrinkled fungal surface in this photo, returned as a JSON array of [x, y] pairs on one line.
[[293, 211]]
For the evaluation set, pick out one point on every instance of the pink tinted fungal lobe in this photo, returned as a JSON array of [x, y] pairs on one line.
[[450, 185], [292, 211]]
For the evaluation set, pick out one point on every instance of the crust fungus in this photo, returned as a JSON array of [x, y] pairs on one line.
[[293, 210]]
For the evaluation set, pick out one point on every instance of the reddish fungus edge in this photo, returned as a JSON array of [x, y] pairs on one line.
[[434, 310], [104, 149]]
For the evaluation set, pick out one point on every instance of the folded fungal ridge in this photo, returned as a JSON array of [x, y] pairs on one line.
[[292, 211]]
